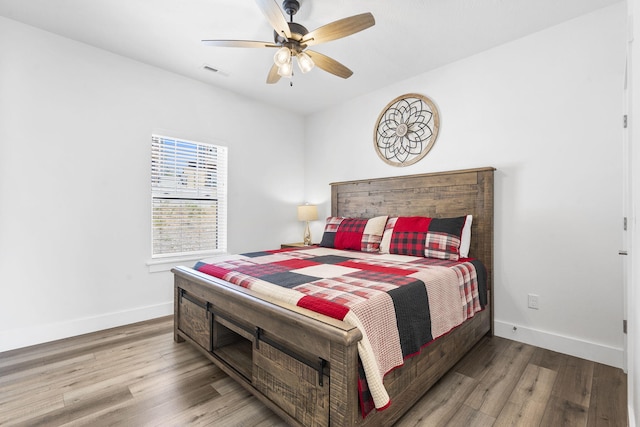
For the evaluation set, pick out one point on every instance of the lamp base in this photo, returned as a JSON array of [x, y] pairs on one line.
[[307, 235]]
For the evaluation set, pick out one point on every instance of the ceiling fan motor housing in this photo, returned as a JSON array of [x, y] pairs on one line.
[[297, 32]]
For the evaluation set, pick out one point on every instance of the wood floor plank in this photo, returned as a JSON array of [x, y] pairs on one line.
[[145, 411], [527, 403], [212, 411], [138, 376], [74, 367], [549, 359], [606, 408], [105, 379], [158, 398], [130, 350], [563, 412], [574, 381], [22, 411], [251, 413], [172, 378], [482, 357], [37, 355], [87, 406], [499, 380], [441, 403], [469, 417], [33, 378]]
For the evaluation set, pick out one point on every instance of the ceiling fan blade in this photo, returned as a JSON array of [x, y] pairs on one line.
[[329, 65], [238, 43], [272, 12], [273, 76], [338, 29]]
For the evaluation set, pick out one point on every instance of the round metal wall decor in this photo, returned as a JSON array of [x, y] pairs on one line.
[[406, 129]]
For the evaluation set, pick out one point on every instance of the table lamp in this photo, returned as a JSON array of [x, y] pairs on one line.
[[307, 213]]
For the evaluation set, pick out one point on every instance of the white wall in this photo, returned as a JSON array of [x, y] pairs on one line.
[[545, 110], [75, 127], [633, 356]]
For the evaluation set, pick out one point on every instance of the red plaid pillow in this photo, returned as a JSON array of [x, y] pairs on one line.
[[422, 236], [354, 233]]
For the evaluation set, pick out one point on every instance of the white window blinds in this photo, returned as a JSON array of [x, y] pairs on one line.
[[189, 197]]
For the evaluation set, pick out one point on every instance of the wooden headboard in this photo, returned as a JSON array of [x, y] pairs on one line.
[[440, 194]]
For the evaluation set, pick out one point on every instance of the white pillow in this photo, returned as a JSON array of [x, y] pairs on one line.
[[465, 239]]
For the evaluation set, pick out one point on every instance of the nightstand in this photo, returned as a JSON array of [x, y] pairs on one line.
[[296, 245]]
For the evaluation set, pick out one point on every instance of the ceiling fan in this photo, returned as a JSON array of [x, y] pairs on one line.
[[292, 39]]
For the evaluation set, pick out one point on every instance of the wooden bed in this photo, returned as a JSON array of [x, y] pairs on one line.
[[304, 365]]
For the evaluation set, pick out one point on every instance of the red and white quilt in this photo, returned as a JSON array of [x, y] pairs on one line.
[[400, 303]]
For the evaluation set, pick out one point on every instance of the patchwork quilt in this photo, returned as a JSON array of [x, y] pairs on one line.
[[400, 303]]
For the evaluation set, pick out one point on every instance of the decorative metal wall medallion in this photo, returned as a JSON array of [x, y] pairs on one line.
[[406, 129]]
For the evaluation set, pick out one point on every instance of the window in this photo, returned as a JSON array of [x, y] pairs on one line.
[[189, 197]]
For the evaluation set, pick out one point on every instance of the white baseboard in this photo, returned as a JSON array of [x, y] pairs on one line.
[[562, 344], [24, 337]]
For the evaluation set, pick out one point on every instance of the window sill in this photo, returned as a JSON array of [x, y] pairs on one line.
[[157, 265]]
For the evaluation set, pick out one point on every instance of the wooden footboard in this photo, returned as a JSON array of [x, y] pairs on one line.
[[302, 365]]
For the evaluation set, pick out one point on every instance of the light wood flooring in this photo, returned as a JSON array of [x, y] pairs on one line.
[[137, 376]]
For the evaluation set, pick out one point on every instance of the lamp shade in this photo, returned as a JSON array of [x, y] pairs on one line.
[[286, 69], [305, 62], [282, 56], [307, 213]]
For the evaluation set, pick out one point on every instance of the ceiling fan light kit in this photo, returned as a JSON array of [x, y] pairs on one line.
[[282, 59], [292, 39]]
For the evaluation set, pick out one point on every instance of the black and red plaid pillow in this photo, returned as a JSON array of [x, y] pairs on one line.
[[356, 234], [422, 236], [408, 243]]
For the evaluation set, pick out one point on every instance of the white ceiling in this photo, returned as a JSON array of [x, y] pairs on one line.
[[410, 37]]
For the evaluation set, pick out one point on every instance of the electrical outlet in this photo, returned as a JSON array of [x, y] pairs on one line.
[[533, 302]]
